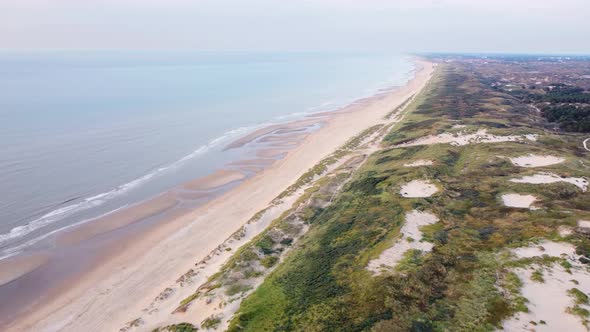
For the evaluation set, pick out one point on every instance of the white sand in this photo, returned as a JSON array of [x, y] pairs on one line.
[[549, 300], [584, 223], [461, 138], [550, 248], [518, 201], [410, 231], [565, 231], [117, 290], [533, 160], [418, 188], [421, 162], [545, 177]]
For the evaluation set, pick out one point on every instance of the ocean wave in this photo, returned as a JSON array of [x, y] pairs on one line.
[[12, 251], [99, 199]]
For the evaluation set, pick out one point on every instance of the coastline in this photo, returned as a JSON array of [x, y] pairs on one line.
[[108, 296]]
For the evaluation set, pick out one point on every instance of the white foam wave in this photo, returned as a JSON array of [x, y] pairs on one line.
[[12, 251]]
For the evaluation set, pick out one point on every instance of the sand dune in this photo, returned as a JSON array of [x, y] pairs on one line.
[[462, 138], [545, 177], [418, 188], [410, 239], [519, 201], [533, 160]]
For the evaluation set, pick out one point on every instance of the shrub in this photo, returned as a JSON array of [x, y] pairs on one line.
[[269, 261], [265, 244], [211, 323]]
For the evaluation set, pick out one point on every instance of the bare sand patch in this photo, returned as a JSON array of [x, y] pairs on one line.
[[418, 163], [418, 188], [411, 238], [461, 138], [519, 201], [550, 248], [584, 223], [565, 231], [549, 300], [533, 160], [541, 178]]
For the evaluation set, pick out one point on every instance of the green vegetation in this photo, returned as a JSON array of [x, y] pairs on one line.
[[566, 105], [561, 93], [210, 323], [537, 276], [237, 288], [579, 296], [182, 327], [570, 117], [269, 261], [401, 107], [465, 283], [249, 263], [320, 168]]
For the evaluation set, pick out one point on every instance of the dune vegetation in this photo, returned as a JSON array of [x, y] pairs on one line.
[[467, 282]]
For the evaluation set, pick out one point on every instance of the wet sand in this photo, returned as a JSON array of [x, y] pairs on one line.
[[217, 179], [20, 265], [118, 219], [277, 129], [127, 265]]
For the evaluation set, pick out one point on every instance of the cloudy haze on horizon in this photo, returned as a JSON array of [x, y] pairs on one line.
[[542, 26]]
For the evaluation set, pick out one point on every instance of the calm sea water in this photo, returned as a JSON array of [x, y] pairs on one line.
[[82, 134]]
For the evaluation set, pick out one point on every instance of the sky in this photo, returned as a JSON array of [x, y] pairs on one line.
[[513, 26]]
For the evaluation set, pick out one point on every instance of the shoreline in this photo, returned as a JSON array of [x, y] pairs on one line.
[[132, 274]]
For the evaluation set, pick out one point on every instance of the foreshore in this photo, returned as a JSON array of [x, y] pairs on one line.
[[127, 278]]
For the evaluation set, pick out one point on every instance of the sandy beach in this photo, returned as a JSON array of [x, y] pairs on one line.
[[131, 274]]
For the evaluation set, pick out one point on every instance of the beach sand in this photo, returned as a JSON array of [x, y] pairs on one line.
[[111, 294]]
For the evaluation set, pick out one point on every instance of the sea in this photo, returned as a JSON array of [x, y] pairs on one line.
[[86, 133]]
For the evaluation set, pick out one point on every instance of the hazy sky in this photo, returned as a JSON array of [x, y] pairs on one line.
[[557, 26]]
